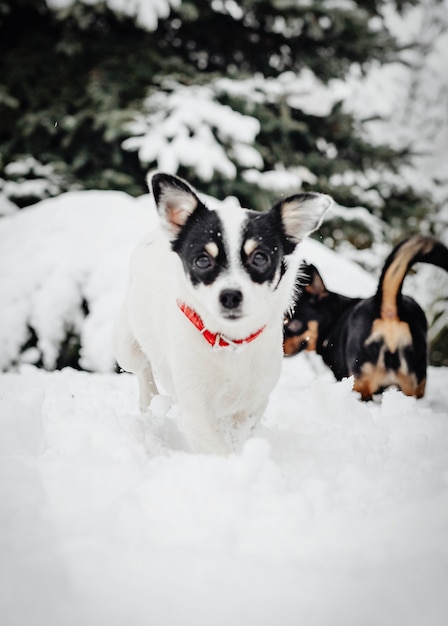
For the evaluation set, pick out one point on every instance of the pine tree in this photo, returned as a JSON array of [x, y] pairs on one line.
[[243, 98], [79, 82]]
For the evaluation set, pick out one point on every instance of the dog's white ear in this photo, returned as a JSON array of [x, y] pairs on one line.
[[175, 201], [302, 214]]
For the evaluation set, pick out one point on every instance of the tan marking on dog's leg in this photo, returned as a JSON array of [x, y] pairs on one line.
[[363, 386], [369, 381], [374, 378], [409, 386], [421, 387]]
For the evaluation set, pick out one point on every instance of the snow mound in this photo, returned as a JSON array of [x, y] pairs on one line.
[[60, 256], [335, 512]]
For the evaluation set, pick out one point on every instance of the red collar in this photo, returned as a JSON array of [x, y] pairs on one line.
[[214, 339]]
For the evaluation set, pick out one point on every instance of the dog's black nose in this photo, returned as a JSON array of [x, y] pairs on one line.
[[230, 298]]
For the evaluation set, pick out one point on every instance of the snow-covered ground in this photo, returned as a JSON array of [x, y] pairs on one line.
[[334, 513]]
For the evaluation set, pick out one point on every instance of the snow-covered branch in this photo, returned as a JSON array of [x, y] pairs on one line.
[[188, 126], [146, 12]]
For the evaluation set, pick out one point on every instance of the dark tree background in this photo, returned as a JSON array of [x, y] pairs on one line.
[[72, 80]]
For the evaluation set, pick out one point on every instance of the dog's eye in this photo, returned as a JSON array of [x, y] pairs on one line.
[[260, 260], [203, 262]]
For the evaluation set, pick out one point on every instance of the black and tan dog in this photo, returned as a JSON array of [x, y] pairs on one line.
[[381, 341]]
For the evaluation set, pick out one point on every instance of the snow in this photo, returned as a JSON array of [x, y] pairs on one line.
[[419, 85], [281, 179], [302, 91], [66, 249], [146, 12], [179, 127], [334, 513]]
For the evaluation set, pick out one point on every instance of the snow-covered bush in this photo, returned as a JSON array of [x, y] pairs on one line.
[[63, 270]]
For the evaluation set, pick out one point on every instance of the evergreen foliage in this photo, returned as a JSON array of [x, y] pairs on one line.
[[83, 87], [73, 80]]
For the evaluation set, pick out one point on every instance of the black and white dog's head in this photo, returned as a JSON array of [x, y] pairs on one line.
[[233, 259]]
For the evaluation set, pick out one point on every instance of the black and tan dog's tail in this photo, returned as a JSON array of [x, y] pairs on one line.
[[416, 249]]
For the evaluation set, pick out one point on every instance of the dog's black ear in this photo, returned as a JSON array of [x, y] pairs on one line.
[[316, 286], [302, 214], [175, 201]]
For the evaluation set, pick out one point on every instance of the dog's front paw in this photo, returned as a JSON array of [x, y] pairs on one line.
[[203, 436], [160, 405]]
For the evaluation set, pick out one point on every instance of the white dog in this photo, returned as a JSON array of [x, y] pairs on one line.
[[205, 306]]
